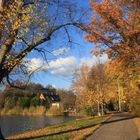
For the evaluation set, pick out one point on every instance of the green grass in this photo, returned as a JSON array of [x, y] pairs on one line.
[[58, 137]]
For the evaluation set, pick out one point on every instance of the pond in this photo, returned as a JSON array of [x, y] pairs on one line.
[[12, 125]]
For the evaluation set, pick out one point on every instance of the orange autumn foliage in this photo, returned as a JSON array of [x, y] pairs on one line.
[[115, 28]]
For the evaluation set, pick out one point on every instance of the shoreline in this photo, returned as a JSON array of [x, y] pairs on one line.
[[69, 127], [47, 115], [35, 111]]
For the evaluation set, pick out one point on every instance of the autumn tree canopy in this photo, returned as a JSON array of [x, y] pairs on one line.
[[115, 29]]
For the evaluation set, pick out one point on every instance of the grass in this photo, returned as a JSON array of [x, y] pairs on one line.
[[75, 135], [64, 131]]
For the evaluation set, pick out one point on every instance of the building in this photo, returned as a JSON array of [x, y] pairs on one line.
[[51, 96]]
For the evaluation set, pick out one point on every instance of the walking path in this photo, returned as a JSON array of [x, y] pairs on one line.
[[119, 127]]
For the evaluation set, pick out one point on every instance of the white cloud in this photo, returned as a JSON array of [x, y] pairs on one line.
[[93, 60], [104, 58], [35, 64], [63, 66], [60, 51], [88, 61], [60, 66], [61, 62]]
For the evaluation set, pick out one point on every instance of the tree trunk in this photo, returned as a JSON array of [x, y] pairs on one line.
[[99, 114], [102, 108], [119, 98]]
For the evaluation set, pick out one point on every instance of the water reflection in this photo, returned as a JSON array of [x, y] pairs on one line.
[[12, 125]]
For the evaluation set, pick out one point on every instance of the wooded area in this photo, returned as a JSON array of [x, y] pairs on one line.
[[114, 29]]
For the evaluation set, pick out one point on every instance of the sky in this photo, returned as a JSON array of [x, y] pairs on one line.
[[63, 60]]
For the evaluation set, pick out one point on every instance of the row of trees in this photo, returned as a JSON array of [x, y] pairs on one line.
[[115, 31], [99, 91], [13, 97], [68, 99], [30, 97], [23, 102]]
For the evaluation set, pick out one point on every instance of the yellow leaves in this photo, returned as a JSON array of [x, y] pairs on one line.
[[12, 63], [7, 56], [25, 53], [16, 25]]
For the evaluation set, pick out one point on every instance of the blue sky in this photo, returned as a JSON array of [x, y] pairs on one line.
[[59, 69]]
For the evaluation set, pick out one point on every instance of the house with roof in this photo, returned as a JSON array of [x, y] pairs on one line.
[[50, 96]]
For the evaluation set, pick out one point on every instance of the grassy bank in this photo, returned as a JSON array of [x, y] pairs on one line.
[[75, 135], [68, 130]]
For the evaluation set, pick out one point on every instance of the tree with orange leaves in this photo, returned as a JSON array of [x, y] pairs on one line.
[[115, 28]]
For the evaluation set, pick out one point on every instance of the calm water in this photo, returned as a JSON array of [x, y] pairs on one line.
[[12, 125]]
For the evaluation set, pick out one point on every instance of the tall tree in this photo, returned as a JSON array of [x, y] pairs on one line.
[[84, 96], [115, 28], [92, 87]]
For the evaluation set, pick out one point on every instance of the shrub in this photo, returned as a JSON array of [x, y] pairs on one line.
[[23, 102], [35, 101], [86, 111], [90, 111], [135, 105]]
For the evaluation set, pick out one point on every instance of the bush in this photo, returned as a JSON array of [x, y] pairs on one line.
[[86, 111], [35, 101], [90, 111], [135, 105], [23, 102]]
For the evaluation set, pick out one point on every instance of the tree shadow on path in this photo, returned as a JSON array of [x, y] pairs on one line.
[[117, 120]]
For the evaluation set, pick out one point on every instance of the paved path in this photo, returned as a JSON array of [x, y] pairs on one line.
[[119, 127]]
